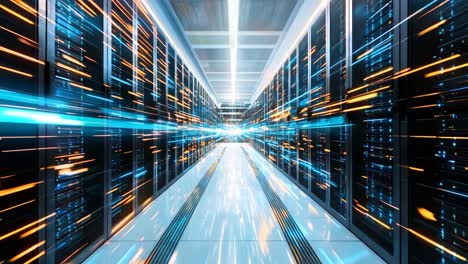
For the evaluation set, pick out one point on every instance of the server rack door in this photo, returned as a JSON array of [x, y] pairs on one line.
[[171, 101], [162, 109], [145, 103], [179, 106], [75, 150], [292, 118], [369, 106], [319, 154], [21, 180], [122, 157], [337, 81], [436, 130], [186, 94], [303, 113]]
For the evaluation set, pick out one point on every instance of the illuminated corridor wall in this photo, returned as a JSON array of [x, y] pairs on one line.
[[368, 115], [98, 116]]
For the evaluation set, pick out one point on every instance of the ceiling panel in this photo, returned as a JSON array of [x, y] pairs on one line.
[[265, 15], [212, 54], [253, 54], [201, 14], [261, 23], [258, 39]]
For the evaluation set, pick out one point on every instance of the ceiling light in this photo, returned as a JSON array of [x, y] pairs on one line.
[[233, 14]]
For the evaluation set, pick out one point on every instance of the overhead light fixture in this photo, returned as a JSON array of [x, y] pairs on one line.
[[233, 14]]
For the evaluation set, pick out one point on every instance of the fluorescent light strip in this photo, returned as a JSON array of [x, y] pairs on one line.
[[233, 13], [181, 54]]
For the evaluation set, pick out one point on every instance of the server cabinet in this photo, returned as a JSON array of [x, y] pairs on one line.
[[121, 89], [303, 113], [171, 100], [75, 150], [319, 152], [339, 135], [179, 106], [435, 97], [162, 70], [21, 147], [370, 110], [186, 138], [291, 108], [145, 101]]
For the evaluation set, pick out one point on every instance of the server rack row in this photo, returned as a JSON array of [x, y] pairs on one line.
[[368, 116], [98, 116]]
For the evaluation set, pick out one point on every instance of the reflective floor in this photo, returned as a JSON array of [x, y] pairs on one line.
[[233, 222]]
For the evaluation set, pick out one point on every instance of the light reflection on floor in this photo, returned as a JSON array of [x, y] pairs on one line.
[[234, 223]]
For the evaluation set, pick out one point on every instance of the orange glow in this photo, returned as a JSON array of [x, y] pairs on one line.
[[122, 223], [374, 219], [29, 58], [15, 71], [71, 59], [364, 54], [427, 66], [362, 98], [68, 68], [429, 29], [415, 169], [16, 206], [80, 86], [18, 189], [20, 255], [32, 231], [35, 257], [16, 14], [442, 71], [426, 214], [25, 6], [378, 73], [358, 108], [432, 242], [358, 88]]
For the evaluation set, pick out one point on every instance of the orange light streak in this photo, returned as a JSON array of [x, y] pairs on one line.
[[429, 29], [378, 73], [357, 88], [35, 257], [432, 242], [427, 66], [426, 214], [362, 98], [29, 58], [442, 71], [25, 227], [71, 59], [16, 14], [364, 54], [374, 219], [16, 206], [68, 68], [15, 71], [27, 251], [32, 231], [81, 86], [358, 108], [21, 188]]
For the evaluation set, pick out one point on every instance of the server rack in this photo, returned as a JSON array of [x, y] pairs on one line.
[[83, 108], [380, 134]]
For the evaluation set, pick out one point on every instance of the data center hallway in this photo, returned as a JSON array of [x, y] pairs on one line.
[[233, 221]]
